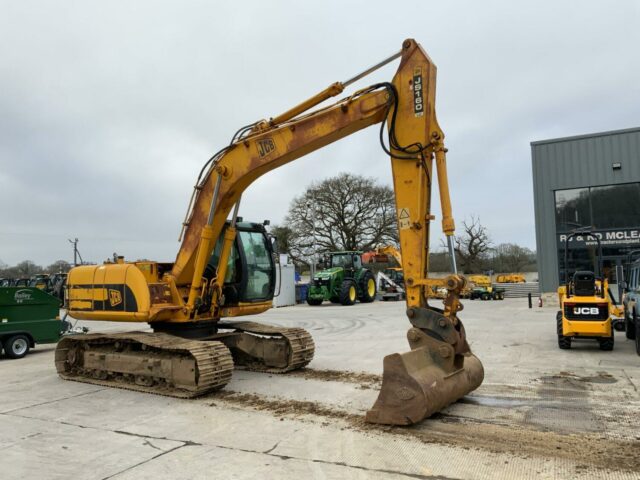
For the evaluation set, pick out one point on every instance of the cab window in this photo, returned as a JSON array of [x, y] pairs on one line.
[[259, 266], [341, 261]]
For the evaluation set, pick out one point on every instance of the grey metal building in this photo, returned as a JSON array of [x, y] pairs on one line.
[[586, 182]]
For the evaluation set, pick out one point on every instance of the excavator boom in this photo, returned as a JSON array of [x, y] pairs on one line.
[[190, 297]]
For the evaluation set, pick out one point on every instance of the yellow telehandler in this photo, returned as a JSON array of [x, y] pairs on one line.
[[224, 268]]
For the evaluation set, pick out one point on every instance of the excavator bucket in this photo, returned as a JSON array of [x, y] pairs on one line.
[[435, 373]]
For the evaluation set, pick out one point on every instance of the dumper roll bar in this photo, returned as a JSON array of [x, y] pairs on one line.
[[566, 258]]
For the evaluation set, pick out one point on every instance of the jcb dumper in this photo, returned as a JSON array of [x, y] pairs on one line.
[[585, 302], [224, 269]]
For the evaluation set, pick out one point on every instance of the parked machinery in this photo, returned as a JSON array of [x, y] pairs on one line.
[[225, 269], [480, 280], [585, 302], [40, 281], [510, 278], [344, 281], [28, 315], [631, 299], [486, 293]]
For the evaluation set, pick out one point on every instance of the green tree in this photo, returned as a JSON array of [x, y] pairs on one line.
[[512, 258]]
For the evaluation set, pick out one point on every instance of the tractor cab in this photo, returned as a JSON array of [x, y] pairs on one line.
[[350, 261]]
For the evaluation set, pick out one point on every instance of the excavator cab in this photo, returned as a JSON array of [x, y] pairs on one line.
[[251, 274]]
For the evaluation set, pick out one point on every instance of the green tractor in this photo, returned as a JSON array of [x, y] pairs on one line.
[[344, 281]]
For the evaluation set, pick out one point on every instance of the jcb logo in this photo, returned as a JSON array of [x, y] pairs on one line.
[[115, 297], [586, 311], [266, 146]]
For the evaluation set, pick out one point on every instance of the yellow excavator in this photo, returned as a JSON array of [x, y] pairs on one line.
[[225, 269], [390, 251]]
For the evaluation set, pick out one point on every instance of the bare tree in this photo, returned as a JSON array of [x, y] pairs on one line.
[[27, 268], [59, 266], [472, 245], [347, 212]]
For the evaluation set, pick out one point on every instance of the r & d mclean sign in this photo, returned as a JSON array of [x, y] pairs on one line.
[[615, 238]]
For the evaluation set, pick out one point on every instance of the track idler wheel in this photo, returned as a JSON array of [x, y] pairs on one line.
[[434, 374]]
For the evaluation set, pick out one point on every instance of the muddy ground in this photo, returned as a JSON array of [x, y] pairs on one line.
[[541, 412]]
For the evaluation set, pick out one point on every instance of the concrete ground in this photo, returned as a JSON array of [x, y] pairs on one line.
[[540, 413]]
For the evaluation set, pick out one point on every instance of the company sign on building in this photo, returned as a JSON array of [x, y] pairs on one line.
[[586, 183]]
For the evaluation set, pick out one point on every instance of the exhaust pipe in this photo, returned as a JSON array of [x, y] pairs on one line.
[[439, 370]]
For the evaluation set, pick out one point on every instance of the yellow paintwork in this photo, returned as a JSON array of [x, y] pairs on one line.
[[480, 280], [371, 287], [571, 328], [593, 328], [390, 250], [510, 278], [616, 311], [90, 283], [352, 293], [246, 309], [562, 291], [149, 270], [272, 144]]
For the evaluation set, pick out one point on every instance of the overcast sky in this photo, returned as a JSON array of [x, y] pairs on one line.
[[109, 109]]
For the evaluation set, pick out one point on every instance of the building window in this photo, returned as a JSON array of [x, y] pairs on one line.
[[616, 206], [601, 208], [572, 209]]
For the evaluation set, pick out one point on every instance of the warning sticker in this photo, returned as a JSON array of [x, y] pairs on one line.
[[404, 219]]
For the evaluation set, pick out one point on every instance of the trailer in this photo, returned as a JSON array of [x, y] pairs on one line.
[[28, 316]]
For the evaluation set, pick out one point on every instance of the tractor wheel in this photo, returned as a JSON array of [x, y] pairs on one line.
[[606, 343], [563, 342], [314, 301], [16, 346], [348, 292], [368, 287], [629, 326], [485, 296]]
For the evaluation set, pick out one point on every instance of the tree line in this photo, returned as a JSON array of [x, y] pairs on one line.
[[351, 212], [27, 268]]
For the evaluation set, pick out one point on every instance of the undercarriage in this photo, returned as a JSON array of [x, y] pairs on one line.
[[168, 364]]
